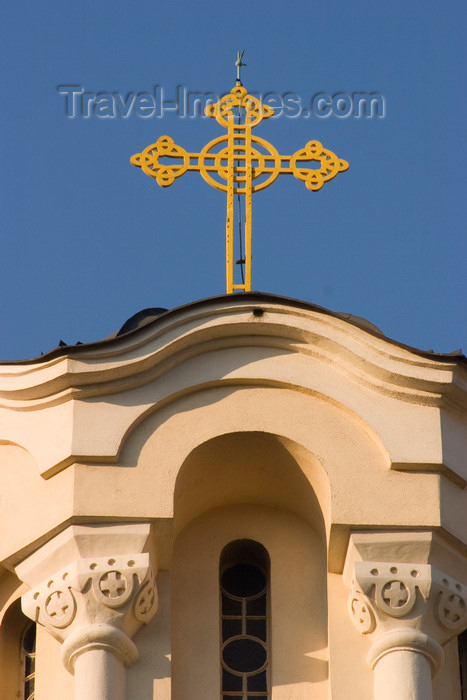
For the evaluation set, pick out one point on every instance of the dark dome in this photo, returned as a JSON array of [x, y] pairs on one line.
[[140, 319]]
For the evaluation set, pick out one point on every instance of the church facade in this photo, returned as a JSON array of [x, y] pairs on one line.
[[246, 497]]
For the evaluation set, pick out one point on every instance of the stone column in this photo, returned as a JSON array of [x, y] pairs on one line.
[[94, 606], [408, 611]]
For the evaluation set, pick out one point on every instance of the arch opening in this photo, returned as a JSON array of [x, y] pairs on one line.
[[251, 468], [246, 514]]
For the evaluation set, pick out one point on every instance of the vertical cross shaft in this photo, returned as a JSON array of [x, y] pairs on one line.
[[239, 181]]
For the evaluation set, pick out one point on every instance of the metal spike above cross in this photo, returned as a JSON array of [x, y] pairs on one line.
[[239, 164]]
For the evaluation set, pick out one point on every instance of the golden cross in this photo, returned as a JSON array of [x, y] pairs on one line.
[[242, 164]]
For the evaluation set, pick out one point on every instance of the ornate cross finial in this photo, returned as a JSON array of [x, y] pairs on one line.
[[239, 164], [239, 63]]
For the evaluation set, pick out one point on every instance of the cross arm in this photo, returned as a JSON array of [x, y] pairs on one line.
[[165, 161]]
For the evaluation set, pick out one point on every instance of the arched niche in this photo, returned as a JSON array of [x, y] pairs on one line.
[[337, 451], [258, 487], [251, 468]]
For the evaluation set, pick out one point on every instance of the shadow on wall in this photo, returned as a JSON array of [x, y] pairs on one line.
[[248, 486], [248, 468], [150, 675]]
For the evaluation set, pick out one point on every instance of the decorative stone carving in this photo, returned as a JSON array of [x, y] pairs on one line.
[[392, 587], [361, 612], [146, 601], [406, 606], [451, 609], [97, 602]]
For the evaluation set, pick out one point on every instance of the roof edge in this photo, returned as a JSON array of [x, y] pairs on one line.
[[258, 297]]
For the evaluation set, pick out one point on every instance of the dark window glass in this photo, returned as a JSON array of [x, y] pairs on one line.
[[231, 607], [231, 628], [230, 681], [258, 682], [243, 580], [244, 655], [256, 628], [463, 663], [257, 606], [244, 575], [29, 662]]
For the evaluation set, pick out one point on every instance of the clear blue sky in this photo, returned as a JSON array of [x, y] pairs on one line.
[[87, 240]]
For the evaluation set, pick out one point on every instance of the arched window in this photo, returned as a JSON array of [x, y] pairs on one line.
[[29, 661], [462, 641], [244, 592], [17, 653]]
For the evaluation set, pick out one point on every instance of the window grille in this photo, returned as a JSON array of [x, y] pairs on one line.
[[462, 641], [244, 589], [29, 661]]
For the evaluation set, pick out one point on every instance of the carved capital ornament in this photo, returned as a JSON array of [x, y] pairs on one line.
[[96, 602], [406, 606]]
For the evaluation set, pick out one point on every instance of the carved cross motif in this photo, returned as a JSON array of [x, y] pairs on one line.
[[112, 584], [454, 608], [146, 600], [100, 592], [360, 610], [395, 594], [55, 605], [420, 594]]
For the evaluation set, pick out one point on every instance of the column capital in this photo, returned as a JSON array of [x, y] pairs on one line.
[[91, 597], [404, 606], [95, 602]]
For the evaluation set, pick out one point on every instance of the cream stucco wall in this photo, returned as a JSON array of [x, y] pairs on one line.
[[327, 444], [298, 601]]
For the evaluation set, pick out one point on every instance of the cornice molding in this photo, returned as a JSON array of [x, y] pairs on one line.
[[149, 353], [236, 342]]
